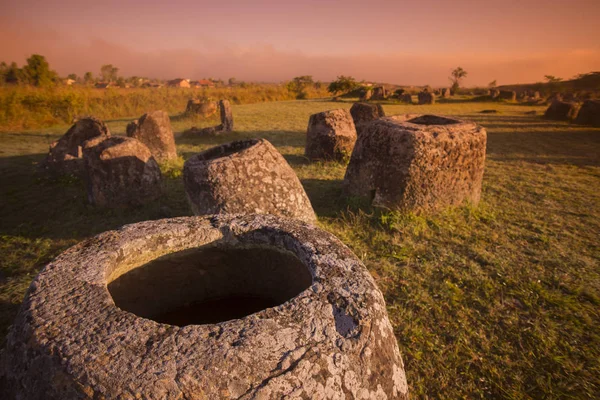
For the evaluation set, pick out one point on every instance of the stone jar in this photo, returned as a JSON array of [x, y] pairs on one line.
[[562, 111], [200, 107], [245, 177], [419, 164], [589, 114], [66, 154], [120, 172], [229, 307], [154, 130], [426, 98], [330, 136], [364, 113]]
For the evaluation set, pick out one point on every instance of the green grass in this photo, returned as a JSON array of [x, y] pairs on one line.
[[501, 300], [25, 107]]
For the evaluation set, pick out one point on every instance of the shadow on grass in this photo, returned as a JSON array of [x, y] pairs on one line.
[[325, 196], [580, 148], [35, 205], [278, 138], [8, 312], [296, 159]]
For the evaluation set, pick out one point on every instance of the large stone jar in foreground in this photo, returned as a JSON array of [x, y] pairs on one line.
[[247, 307], [419, 164], [245, 177]]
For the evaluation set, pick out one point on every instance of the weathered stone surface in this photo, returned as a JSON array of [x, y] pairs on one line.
[[589, 114], [201, 107], [154, 130], [554, 97], [509, 95], [562, 111], [379, 93], [225, 126], [426, 98], [420, 164], [445, 93], [363, 113], [120, 171], [226, 115], [245, 177], [330, 135], [65, 155], [406, 98], [332, 340], [366, 95], [399, 92]]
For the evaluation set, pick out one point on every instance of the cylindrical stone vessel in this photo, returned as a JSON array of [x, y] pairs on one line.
[[330, 135], [418, 164], [221, 307], [120, 171], [245, 177]]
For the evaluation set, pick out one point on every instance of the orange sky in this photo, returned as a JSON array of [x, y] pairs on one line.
[[403, 42]]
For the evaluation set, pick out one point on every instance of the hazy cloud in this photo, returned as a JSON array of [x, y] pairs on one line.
[[263, 62]]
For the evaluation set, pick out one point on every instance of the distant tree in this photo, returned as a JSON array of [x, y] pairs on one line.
[[492, 84], [134, 81], [14, 74], [456, 76], [88, 77], [318, 85], [38, 71], [109, 73], [3, 71], [121, 82], [552, 79], [299, 84], [342, 84], [72, 76], [552, 82], [232, 81]]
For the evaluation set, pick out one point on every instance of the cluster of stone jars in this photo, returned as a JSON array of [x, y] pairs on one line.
[[248, 299]]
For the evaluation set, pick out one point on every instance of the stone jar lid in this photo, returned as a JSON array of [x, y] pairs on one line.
[[331, 340]]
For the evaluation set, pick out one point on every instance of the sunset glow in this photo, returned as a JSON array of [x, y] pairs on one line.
[[402, 42]]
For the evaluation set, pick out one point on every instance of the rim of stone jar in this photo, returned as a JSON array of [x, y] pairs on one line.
[[324, 256], [226, 151]]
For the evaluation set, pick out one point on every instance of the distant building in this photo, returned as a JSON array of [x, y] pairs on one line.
[[202, 83], [103, 85], [183, 83]]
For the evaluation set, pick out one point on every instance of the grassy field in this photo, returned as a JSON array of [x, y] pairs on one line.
[[498, 301], [25, 107]]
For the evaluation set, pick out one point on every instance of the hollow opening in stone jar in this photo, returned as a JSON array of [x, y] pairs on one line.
[[433, 120], [226, 149], [210, 284]]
